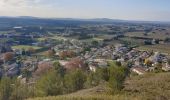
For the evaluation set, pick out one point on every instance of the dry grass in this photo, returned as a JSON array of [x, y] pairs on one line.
[[149, 87]]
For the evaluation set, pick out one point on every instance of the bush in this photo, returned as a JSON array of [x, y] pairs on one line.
[[92, 80], [74, 80], [49, 84], [117, 78]]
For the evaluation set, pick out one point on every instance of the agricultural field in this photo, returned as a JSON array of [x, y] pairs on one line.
[[41, 39], [155, 34], [135, 34], [132, 41], [100, 37], [5, 32], [163, 48], [25, 47]]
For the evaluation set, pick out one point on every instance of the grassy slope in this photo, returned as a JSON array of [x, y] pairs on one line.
[[147, 87]]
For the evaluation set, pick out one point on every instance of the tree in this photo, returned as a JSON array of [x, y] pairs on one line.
[[20, 91], [103, 74], [50, 84], [26, 73], [95, 43], [118, 63], [31, 50], [59, 69], [74, 81], [167, 39], [117, 77], [92, 79], [8, 56], [23, 52], [168, 61]]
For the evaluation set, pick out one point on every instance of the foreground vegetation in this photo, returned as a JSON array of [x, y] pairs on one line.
[[105, 84], [58, 81], [148, 87]]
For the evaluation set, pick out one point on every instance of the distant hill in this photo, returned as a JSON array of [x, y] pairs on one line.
[[6, 21], [34, 21], [155, 86]]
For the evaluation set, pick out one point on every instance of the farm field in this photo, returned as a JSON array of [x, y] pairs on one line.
[[132, 41], [5, 32], [163, 48], [25, 47], [154, 35]]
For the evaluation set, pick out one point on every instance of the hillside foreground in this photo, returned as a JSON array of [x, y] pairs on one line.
[[147, 87]]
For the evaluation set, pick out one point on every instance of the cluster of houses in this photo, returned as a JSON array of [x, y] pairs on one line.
[[90, 58], [138, 61]]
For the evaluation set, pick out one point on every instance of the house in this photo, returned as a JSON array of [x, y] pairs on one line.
[[63, 62], [138, 70], [101, 62], [166, 67], [93, 67]]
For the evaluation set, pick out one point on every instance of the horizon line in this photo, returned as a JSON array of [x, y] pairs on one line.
[[78, 18]]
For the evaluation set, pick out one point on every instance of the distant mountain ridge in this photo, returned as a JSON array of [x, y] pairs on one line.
[[29, 20]]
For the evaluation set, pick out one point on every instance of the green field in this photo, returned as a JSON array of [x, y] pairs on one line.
[[25, 47]]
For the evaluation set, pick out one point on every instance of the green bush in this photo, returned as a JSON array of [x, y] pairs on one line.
[[74, 80]]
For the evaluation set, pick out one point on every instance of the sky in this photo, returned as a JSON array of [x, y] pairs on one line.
[[148, 10]]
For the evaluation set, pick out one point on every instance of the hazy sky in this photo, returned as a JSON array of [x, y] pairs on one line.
[[116, 9]]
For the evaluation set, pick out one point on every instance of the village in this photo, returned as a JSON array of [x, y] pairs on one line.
[[75, 54], [53, 59]]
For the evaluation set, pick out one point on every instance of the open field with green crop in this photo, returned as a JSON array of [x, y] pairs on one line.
[[25, 47], [163, 48]]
